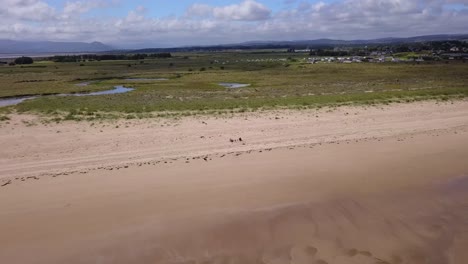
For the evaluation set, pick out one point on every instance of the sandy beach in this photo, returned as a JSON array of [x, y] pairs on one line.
[[380, 184]]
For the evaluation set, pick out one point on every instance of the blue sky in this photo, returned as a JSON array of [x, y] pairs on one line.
[[168, 8], [146, 23]]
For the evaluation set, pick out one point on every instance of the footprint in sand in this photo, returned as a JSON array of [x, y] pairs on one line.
[[397, 259], [353, 255], [365, 253], [277, 256], [5, 183], [305, 254], [352, 252], [320, 261], [293, 255], [187, 262], [232, 260], [381, 261]]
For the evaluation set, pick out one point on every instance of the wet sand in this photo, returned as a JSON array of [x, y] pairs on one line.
[[350, 186]]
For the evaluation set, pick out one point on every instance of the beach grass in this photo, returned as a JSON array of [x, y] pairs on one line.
[[276, 79]]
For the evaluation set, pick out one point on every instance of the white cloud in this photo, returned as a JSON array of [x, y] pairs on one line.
[[199, 10], [73, 8], [458, 2], [137, 15], [246, 20], [247, 10], [27, 10], [76, 8]]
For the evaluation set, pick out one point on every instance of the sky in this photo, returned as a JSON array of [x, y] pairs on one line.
[[155, 23]]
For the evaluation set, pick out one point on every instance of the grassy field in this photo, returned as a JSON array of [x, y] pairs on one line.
[[276, 80]]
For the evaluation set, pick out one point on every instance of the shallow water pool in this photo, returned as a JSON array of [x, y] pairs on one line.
[[16, 100], [234, 85]]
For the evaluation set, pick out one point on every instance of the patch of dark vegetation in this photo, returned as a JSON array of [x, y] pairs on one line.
[[109, 57], [28, 81], [24, 60]]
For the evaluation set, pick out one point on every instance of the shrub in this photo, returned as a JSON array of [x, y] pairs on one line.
[[24, 60]]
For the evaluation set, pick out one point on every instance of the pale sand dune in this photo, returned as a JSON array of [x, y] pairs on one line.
[[33, 149], [391, 188]]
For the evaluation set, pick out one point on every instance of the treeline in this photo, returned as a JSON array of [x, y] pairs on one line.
[[329, 53], [104, 57], [420, 46], [24, 60], [432, 46]]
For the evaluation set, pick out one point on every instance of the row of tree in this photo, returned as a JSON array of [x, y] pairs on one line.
[[435, 46], [24, 60], [329, 53], [103, 57], [432, 46]]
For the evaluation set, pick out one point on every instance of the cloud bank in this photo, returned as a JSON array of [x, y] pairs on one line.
[[245, 20]]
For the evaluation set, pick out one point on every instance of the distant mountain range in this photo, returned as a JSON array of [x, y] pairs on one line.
[[34, 47], [308, 43], [362, 42], [31, 47]]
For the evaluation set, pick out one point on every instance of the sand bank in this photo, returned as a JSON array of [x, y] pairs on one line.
[[350, 186]]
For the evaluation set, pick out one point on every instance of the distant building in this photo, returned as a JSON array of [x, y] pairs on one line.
[[454, 56], [313, 60]]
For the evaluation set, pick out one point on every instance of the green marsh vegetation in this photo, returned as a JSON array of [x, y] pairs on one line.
[[277, 80]]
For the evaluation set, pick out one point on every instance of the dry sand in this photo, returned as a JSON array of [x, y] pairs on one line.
[[354, 185]]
